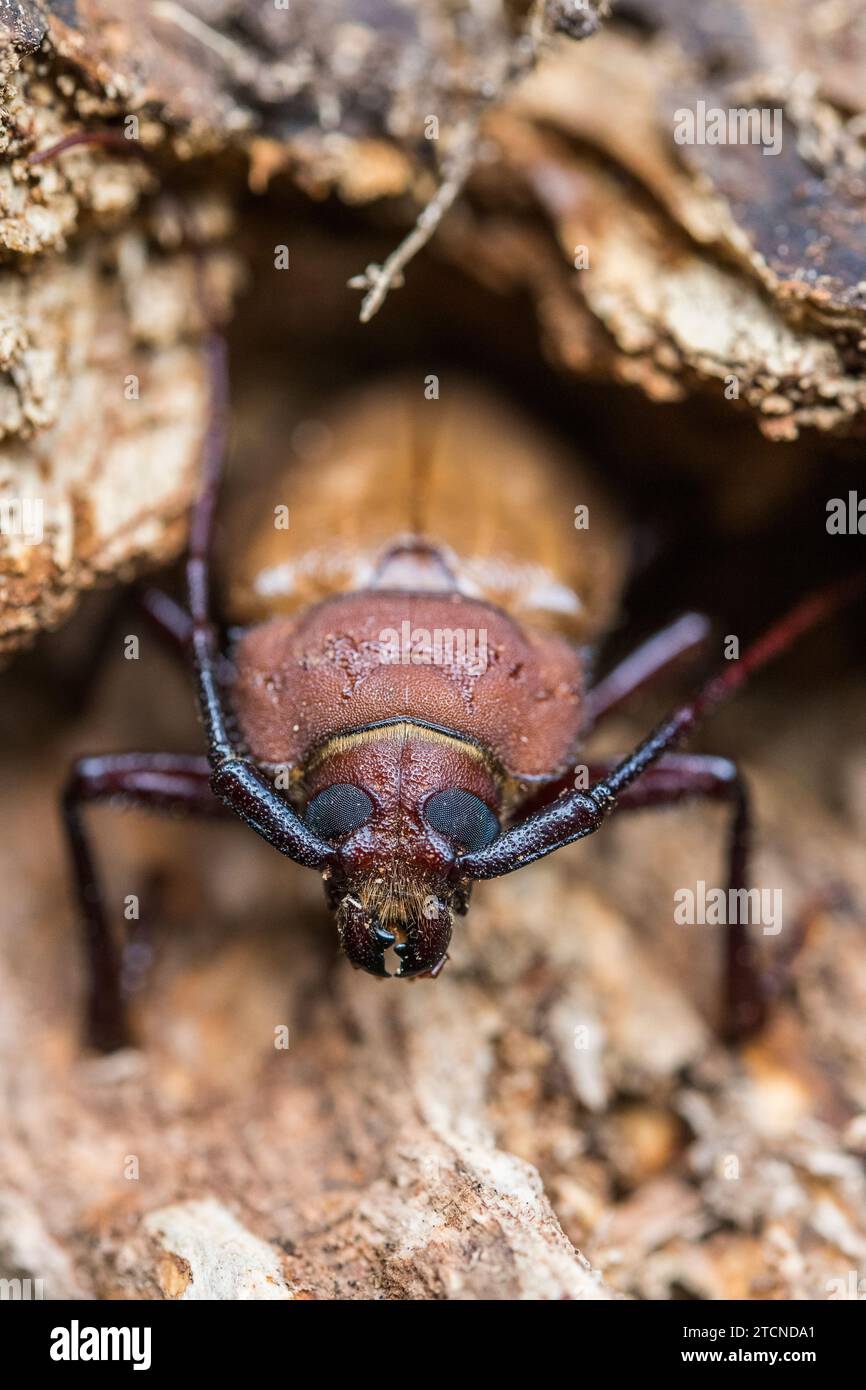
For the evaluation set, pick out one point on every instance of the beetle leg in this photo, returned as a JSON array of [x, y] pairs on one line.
[[685, 637], [166, 616], [681, 777], [160, 781], [172, 623]]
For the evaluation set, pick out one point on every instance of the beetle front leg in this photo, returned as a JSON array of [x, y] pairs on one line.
[[159, 781]]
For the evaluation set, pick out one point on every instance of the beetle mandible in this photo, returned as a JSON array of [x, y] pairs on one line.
[[414, 657]]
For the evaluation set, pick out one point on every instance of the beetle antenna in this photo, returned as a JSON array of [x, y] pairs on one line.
[[775, 640]]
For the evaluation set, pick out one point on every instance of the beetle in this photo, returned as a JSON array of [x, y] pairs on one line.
[[408, 684]]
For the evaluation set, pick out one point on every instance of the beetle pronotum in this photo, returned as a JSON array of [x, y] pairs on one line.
[[411, 775]]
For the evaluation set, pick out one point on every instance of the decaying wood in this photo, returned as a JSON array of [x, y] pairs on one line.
[[103, 396], [704, 265], [101, 414]]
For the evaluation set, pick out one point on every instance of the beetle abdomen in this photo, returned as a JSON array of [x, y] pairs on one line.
[[431, 495]]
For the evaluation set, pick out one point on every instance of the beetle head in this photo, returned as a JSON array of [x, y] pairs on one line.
[[400, 804]]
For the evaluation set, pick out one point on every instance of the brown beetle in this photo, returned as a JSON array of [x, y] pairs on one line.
[[409, 683]]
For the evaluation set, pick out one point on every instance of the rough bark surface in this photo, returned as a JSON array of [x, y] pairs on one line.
[[705, 265]]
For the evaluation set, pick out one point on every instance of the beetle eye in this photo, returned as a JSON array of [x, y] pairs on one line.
[[462, 817], [337, 810]]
